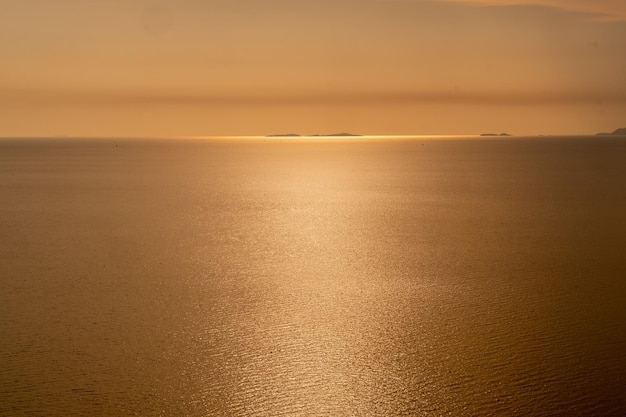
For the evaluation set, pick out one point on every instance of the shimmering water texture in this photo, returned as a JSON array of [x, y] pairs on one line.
[[318, 277]]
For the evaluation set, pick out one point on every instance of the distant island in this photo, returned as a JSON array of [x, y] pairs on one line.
[[338, 134], [617, 132], [295, 135], [495, 134]]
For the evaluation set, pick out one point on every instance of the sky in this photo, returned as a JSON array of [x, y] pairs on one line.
[[248, 67]]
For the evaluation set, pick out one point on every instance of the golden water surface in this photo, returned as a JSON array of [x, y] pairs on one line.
[[317, 277]]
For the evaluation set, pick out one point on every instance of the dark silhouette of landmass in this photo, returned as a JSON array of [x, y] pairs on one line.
[[495, 134], [295, 135], [338, 134], [617, 132]]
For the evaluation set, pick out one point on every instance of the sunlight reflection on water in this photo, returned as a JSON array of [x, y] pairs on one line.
[[352, 277]]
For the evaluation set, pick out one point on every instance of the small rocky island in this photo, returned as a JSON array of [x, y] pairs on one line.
[[338, 134], [617, 132], [495, 134]]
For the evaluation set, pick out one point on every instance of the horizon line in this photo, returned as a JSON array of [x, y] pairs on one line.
[[313, 136]]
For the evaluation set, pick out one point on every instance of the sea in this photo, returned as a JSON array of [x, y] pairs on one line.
[[353, 276]]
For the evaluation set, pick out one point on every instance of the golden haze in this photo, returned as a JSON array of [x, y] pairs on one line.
[[372, 67]]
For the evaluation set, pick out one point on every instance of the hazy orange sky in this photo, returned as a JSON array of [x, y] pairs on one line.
[[224, 67]]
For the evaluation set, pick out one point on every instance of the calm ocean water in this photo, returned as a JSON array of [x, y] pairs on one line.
[[355, 277]]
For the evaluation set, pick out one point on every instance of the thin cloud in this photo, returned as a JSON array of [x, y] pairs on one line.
[[598, 9], [46, 98]]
